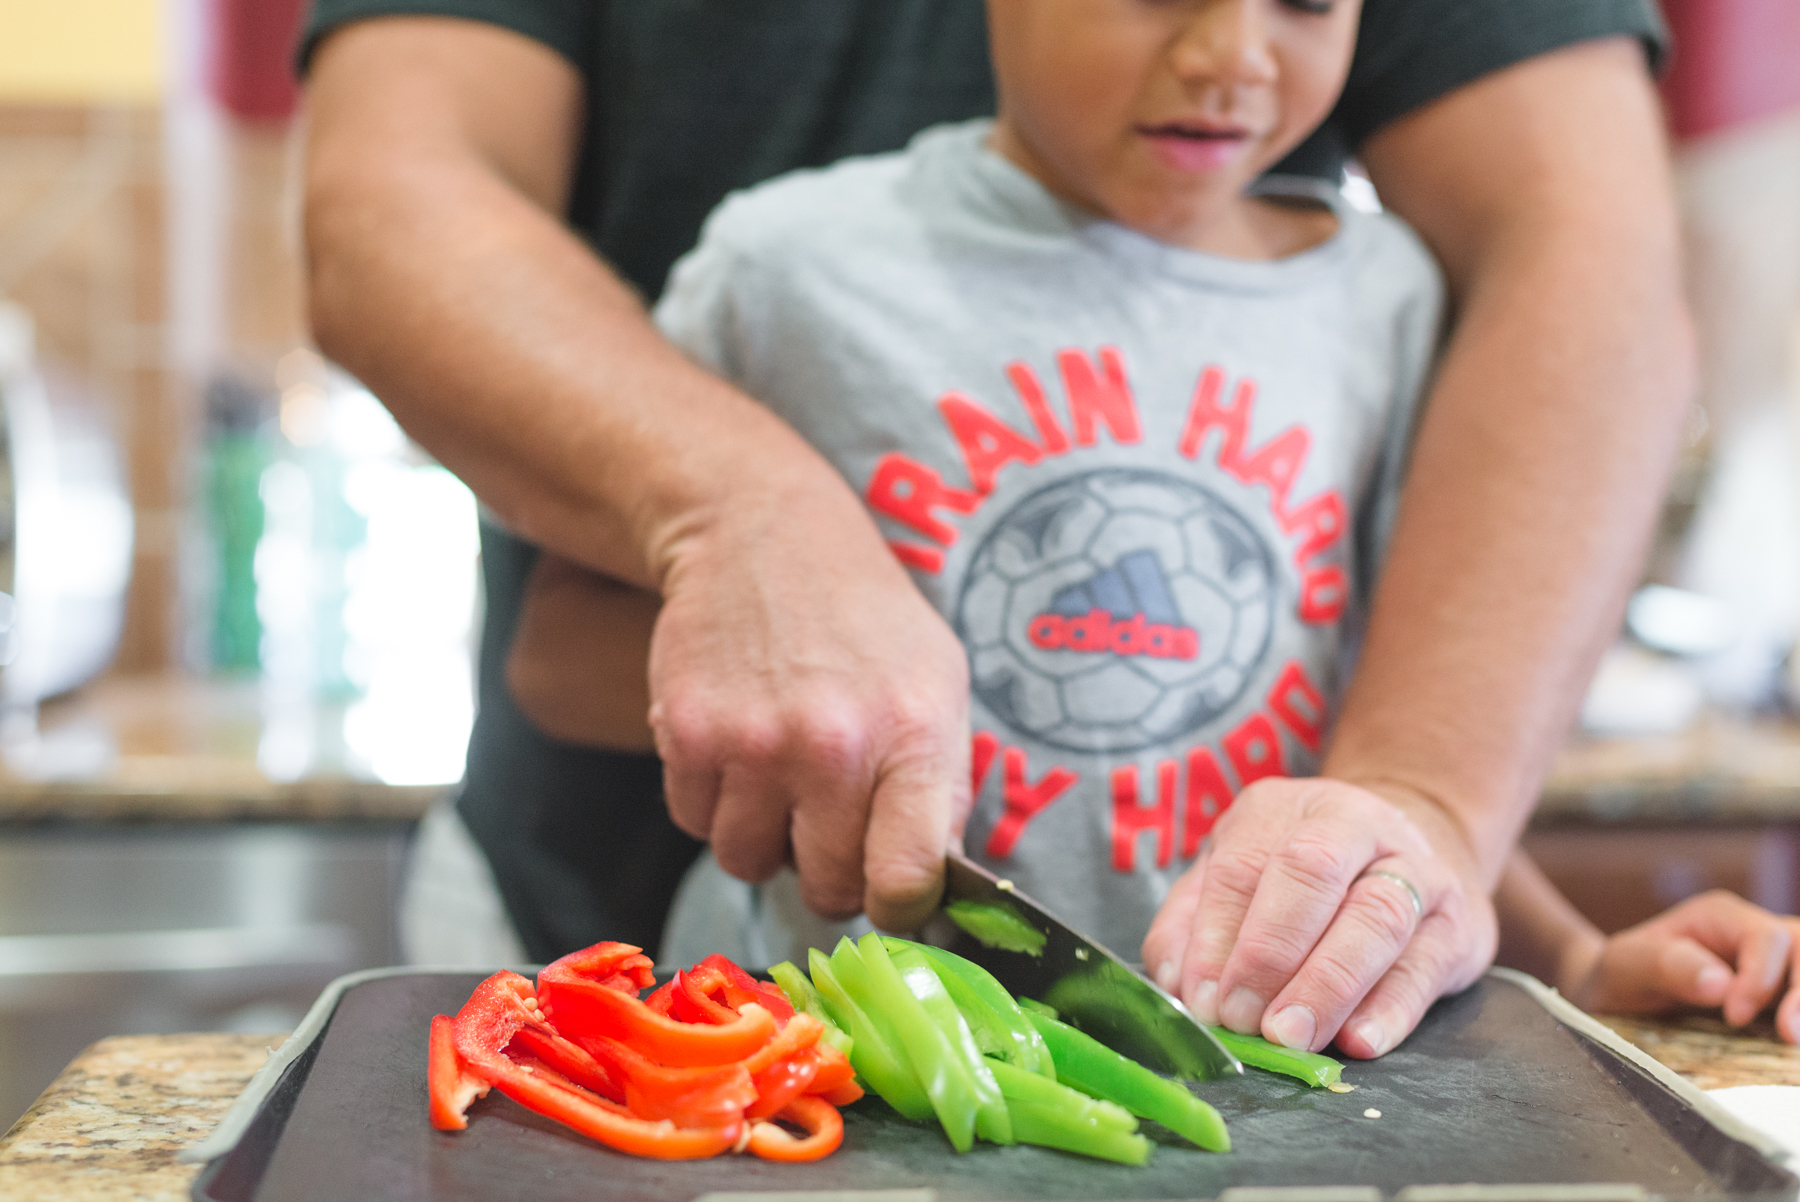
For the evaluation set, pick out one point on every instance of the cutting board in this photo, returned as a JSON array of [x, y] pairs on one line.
[[1493, 1087]]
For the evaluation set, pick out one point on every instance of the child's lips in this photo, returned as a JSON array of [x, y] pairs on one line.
[[1195, 147]]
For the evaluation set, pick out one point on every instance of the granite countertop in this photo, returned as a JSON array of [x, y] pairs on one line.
[[182, 749], [110, 1126], [1723, 768]]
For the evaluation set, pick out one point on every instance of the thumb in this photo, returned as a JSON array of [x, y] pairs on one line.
[[1688, 972], [910, 819]]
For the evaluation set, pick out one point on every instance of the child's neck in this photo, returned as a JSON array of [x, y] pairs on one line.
[[1243, 226]]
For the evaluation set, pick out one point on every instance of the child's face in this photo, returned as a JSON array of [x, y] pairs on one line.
[[1158, 113]]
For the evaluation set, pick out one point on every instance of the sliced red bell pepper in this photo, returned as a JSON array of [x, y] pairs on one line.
[[741, 987], [496, 1012], [843, 1095], [797, 1036], [662, 999], [569, 1060], [690, 1097], [452, 1087], [693, 1000], [834, 1069], [781, 1083], [823, 1124], [617, 965], [582, 1008]]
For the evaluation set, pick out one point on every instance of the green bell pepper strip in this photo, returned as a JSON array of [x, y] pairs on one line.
[[1032, 1006], [1029, 1050], [1090, 1066], [929, 1050], [997, 925], [871, 1055], [1019, 1085], [922, 981], [805, 998], [1310, 1067], [1050, 1127]]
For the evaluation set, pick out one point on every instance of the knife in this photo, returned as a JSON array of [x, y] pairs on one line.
[[1088, 985]]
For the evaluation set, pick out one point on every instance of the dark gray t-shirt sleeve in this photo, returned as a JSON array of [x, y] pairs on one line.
[[565, 26], [1409, 52]]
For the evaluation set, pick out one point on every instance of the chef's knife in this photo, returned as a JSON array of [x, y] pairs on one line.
[[1088, 985]]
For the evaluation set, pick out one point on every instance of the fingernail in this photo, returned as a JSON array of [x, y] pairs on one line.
[[1243, 1010], [1205, 1002], [1372, 1033], [1293, 1027], [1168, 975], [1714, 976]]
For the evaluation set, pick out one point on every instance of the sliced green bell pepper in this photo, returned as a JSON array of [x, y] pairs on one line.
[[805, 998], [1090, 1066], [997, 925], [872, 1055], [929, 1051], [1018, 1085], [1051, 1127], [1310, 1067], [1028, 1049], [922, 981]]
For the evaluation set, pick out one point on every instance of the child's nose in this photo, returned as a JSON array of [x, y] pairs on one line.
[[1226, 41]]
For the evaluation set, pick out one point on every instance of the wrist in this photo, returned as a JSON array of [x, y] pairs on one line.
[[746, 490], [1578, 966], [1439, 822]]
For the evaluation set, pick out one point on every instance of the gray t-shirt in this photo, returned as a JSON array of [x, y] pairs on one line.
[[1148, 487]]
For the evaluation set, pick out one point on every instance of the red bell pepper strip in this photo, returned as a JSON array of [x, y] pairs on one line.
[[741, 987], [834, 1069], [571, 1061], [617, 965], [582, 1008], [496, 1012], [662, 1000], [689, 1097], [823, 1124], [451, 1086], [693, 1001], [797, 1036], [843, 1095], [781, 1083]]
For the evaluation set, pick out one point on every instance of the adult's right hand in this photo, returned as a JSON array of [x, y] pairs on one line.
[[809, 704], [805, 696]]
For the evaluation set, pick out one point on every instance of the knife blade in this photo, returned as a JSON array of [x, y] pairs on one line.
[[1089, 986]]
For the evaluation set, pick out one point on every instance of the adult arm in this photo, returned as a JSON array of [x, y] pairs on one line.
[[806, 700], [1536, 475]]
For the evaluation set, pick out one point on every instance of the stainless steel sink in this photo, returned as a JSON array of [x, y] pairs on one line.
[[109, 930]]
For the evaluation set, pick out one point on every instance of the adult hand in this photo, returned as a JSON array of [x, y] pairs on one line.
[[808, 703], [1713, 951], [1293, 925]]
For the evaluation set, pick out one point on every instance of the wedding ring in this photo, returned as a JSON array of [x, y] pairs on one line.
[[1418, 903]]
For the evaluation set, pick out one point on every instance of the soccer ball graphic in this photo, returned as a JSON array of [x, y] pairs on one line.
[[1115, 610]]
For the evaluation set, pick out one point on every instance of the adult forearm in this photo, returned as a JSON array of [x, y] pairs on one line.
[[1539, 464], [507, 349]]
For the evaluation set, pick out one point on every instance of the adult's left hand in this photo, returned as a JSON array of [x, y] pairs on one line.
[[1323, 911]]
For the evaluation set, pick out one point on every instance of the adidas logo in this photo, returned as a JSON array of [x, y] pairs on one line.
[[1125, 610]]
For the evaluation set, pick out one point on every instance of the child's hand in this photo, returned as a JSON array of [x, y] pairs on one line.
[[1714, 950]]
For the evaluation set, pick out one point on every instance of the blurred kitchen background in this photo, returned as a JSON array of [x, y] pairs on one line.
[[236, 605]]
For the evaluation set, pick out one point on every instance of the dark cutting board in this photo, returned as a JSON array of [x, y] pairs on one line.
[[1492, 1088]]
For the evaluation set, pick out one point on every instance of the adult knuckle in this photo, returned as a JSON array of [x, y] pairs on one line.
[[1331, 976], [831, 737], [1386, 913], [1310, 857], [1273, 948]]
